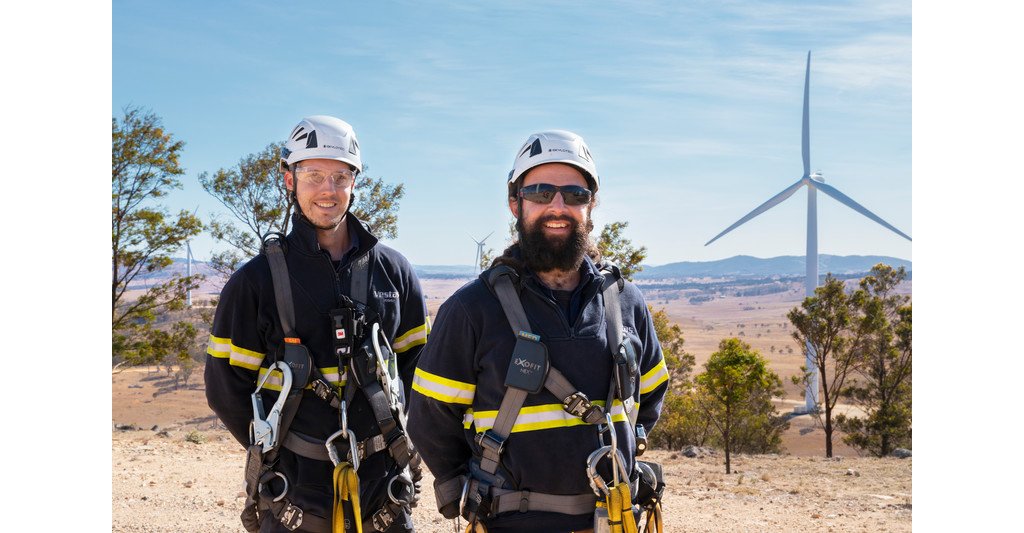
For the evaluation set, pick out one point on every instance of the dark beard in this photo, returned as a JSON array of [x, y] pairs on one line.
[[543, 255]]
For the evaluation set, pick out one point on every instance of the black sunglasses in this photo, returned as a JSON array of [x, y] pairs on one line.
[[543, 193]]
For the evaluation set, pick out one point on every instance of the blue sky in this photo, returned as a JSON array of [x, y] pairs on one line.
[[691, 110]]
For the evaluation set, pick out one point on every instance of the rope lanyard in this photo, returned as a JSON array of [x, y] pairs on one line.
[[346, 494]]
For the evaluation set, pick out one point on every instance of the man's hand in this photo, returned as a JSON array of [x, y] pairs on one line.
[[416, 469]]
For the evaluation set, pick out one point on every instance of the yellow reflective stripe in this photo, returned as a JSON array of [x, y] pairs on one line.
[[331, 375], [222, 348], [413, 337], [218, 347], [536, 417], [275, 380], [656, 376], [443, 389]]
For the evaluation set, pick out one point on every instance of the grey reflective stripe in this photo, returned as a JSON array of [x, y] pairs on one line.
[[359, 279], [524, 500], [282, 285]]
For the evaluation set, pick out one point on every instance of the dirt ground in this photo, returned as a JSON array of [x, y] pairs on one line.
[[161, 481]]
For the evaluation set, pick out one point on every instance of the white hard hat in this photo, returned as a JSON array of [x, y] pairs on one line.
[[554, 146], [322, 137]]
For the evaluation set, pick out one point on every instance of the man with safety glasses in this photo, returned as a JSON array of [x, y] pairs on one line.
[[312, 352], [543, 376]]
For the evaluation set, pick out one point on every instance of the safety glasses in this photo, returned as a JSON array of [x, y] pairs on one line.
[[543, 193], [315, 176]]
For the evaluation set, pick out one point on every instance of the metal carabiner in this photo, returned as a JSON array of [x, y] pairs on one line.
[[596, 481], [266, 431], [353, 448], [616, 464], [387, 372]]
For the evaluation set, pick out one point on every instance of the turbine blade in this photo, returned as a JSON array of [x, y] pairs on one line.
[[834, 193], [806, 141], [775, 200]]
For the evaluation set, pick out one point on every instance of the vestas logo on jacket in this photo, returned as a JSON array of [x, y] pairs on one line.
[[388, 296]]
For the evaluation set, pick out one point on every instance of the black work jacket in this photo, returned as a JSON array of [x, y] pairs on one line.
[[247, 337], [459, 385]]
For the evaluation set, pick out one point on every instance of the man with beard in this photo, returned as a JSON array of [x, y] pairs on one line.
[[526, 364], [312, 352]]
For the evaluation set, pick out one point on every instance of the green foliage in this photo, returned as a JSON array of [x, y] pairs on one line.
[[678, 424], [253, 192], [735, 393], [195, 437], [883, 386], [144, 168], [376, 203], [619, 250], [825, 321]]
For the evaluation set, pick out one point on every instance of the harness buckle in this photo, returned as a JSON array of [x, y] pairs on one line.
[[579, 405], [524, 501], [490, 440], [382, 519], [291, 517]]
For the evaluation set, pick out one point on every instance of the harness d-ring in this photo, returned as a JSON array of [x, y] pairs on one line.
[[407, 483], [284, 491]]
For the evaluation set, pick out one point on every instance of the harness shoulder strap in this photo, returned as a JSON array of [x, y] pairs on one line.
[[282, 284]]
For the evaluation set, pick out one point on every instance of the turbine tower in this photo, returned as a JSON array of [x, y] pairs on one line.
[[188, 273], [188, 268], [480, 250], [814, 183]]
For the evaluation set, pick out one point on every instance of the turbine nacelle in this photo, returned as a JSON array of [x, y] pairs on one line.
[[818, 176]]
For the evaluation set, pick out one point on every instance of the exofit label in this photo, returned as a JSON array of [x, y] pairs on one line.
[[527, 366]]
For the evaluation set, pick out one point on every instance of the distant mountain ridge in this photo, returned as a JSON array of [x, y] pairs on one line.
[[786, 265], [732, 267]]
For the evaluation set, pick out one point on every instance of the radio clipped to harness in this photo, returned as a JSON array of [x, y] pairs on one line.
[[626, 370]]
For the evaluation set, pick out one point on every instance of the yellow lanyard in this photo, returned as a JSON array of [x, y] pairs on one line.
[[620, 510], [346, 489]]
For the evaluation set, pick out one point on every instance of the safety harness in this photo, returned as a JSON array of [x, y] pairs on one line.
[[484, 493], [372, 370]]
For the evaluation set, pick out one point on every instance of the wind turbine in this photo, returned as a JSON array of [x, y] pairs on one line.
[[480, 250], [188, 268], [814, 183]]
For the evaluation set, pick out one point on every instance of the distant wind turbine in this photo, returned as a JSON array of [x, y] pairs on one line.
[[480, 250], [814, 182], [188, 268]]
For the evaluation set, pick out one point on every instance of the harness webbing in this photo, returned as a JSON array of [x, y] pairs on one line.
[[492, 441], [391, 438], [282, 285]]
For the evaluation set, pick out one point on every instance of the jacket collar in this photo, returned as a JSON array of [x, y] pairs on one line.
[[589, 272], [303, 235]]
